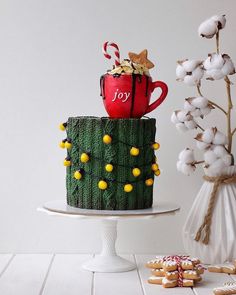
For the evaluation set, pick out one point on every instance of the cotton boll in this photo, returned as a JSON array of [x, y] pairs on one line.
[[198, 73], [220, 151], [190, 81], [205, 111], [216, 60], [220, 20], [214, 74], [200, 102], [180, 72], [183, 116], [174, 118], [210, 157], [228, 68], [208, 135], [219, 138], [207, 29], [186, 156], [179, 166], [196, 113], [227, 159], [207, 63], [187, 169], [190, 65], [181, 127], [190, 124], [202, 145], [188, 106], [217, 66], [217, 166]]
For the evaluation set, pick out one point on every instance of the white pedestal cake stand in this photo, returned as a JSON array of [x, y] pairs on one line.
[[107, 260]]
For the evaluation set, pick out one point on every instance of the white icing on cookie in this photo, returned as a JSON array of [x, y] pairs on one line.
[[169, 263], [153, 278], [190, 272], [166, 281]]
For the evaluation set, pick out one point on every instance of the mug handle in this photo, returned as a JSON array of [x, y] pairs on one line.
[[163, 95]]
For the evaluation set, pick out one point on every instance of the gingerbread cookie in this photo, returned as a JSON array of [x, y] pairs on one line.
[[155, 263], [187, 265], [159, 272], [190, 275], [223, 268], [188, 283], [199, 269], [227, 289], [171, 275], [155, 280], [169, 265], [195, 261], [169, 283], [175, 271]]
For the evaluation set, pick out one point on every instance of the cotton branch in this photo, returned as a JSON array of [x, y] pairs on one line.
[[230, 106], [233, 132], [211, 102]]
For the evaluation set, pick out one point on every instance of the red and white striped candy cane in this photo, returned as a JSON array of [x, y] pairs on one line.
[[116, 52]]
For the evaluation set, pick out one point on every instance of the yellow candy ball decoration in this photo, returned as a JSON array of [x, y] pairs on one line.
[[62, 144], [107, 139], [149, 182], [102, 184], [68, 145], [158, 172], [62, 126], [109, 167], [155, 167], [155, 145], [78, 174], [128, 188], [67, 162], [136, 172], [134, 151], [84, 158]]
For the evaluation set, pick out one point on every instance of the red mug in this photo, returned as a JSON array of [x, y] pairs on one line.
[[128, 96]]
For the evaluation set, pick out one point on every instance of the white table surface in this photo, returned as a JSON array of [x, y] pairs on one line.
[[62, 274]]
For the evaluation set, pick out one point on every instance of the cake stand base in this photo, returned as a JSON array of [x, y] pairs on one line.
[[108, 264], [108, 260]]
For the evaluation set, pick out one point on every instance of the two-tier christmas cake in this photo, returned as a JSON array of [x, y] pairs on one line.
[[111, 161]]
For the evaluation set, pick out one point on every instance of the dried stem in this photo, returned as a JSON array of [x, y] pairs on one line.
[[210, 101], [230, 106], [198, 162], [199, 90], [217, 42], [233, 132], [217, 106], [200, 127]]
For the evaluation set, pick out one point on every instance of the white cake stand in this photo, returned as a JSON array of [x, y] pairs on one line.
[[107, 260]]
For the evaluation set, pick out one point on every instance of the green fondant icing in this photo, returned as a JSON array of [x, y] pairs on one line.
[[86, 134]]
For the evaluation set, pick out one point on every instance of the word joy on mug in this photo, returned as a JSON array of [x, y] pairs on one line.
[[123, 96]]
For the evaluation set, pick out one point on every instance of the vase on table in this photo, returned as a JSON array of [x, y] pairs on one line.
[[222, 238]]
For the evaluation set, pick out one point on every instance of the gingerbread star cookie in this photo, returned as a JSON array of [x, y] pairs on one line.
[[227, 289], [141, 58], [175, 271], [228, 268]]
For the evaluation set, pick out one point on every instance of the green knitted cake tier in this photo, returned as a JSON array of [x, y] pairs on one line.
[[86, 136]]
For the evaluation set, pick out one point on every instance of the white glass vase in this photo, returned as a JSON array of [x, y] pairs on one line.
[[222, 243]]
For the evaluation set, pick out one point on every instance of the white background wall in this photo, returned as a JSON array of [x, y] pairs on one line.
[[50, 64]]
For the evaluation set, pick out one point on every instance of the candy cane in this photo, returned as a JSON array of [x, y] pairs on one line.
[[116, 52]]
